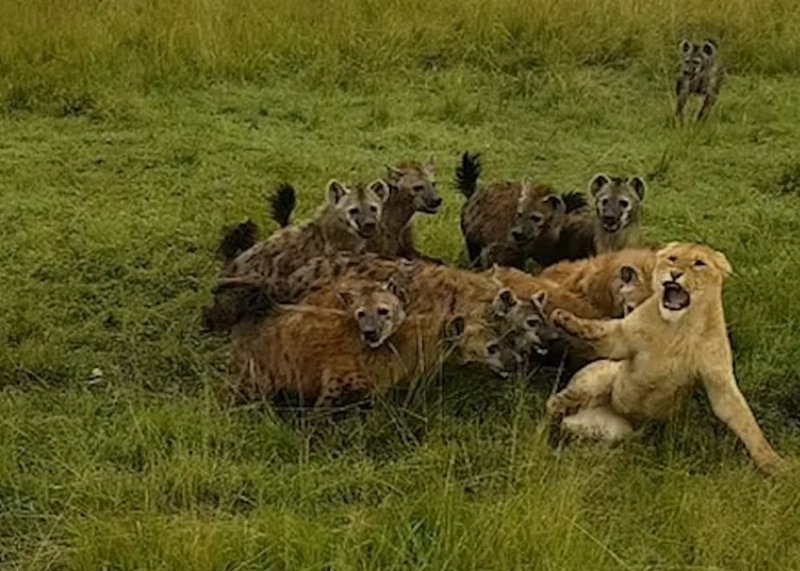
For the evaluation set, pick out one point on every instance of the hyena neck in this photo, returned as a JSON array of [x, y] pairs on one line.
[[338, 235], [398, 211], [614, 241]]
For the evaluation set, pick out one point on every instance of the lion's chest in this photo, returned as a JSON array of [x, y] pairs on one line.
[[656, 384]]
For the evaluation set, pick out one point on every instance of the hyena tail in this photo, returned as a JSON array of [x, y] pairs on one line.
[[237, 300], [237, 239], [574, 201], [468, 173], [282, 204]]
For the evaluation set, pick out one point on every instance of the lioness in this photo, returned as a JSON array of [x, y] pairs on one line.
[[654, 356]]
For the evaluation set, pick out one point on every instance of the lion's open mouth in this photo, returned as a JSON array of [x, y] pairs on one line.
[[674, 297]]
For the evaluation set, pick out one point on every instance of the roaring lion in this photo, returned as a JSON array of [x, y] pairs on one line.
[[653, 357]]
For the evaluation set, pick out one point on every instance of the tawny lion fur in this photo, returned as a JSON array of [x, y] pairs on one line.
[[656, 355], [613, 283]]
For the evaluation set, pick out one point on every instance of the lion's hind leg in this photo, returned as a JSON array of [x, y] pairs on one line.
[[598, 423], [589, 388]]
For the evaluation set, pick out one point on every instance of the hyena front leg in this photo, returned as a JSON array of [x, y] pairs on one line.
[[682, 93], [708, 102], [340, 390]]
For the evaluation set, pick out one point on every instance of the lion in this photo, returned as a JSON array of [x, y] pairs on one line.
[[653, 358], [613, 284]]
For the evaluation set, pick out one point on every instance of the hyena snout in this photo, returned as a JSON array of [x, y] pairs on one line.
[[371, 336], [433, 203]]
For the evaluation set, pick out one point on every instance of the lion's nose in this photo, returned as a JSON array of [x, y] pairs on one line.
[[675, 275]]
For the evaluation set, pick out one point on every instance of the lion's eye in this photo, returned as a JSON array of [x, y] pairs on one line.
[[493, 349], [673, 259], [699, 264], [419, 187]]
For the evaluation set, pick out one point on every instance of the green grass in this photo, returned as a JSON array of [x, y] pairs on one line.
[[115, 178]]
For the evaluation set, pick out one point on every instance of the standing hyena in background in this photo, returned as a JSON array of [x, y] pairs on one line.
[[700, 74]]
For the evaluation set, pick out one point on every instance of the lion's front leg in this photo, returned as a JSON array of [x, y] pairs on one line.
[[606, 337], [731, 408]]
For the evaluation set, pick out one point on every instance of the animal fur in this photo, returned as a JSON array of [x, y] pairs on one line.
[[654, 357]]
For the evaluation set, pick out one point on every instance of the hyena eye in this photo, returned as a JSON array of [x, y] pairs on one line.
[[419, 187], [532, 322], [624, 203], [373, 209], [353, 212], [536, 218], [604, 202], [699, 264], [360, 314], [383, 312], [493, 349]]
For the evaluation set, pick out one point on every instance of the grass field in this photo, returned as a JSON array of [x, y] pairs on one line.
[[131, 132]]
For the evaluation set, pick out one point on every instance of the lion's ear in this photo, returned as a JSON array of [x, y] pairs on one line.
[[722, 263], [666, 247]]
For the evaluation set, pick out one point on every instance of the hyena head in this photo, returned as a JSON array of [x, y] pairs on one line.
[[415, 184], [524, 324], [477, 341], [697, 59], [379, 309], [538, 209], [633, 288], [361, 207], [617, 200]]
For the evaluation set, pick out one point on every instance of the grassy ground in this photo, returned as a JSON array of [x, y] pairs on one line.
[[111, 198]]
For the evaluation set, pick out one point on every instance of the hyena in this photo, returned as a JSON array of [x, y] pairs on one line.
[[333, 366], [412, 189], [424, 285], [700, 74], [618, 207], [350, 218], [504, 222]]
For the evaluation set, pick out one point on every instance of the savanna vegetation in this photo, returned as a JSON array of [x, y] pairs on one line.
[[132, 131]]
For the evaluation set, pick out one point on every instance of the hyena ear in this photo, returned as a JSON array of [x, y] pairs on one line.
[[392, 287], [504, 302], [336, 191], [685, 46], [628, 274], [557, 203], [597, 182], [393, 174], [345, 297], [539, 299], [455, 328], [709, 48], [637, 183], [380, 188]]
